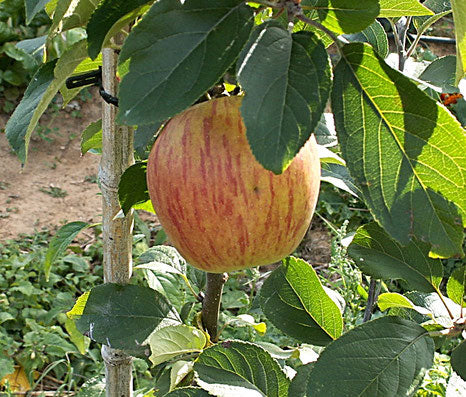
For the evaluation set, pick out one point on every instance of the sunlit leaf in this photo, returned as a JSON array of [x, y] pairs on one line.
[[404, 151], [293, 299]]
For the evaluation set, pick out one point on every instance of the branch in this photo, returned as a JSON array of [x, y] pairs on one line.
[[211, 302], [374, 290]]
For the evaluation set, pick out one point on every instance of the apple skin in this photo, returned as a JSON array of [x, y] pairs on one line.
[[218, 206]]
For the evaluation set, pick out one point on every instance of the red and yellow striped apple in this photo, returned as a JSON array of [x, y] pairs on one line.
[[219, 207]]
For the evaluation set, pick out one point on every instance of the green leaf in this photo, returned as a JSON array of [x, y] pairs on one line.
[[172, 341], [33, 7], [384, 357], [58, 13], [123, 316], [92, 137], [287, 82], [132, 188], [375, 35], [177, 52], [441, 72], [434, 305], [6, 366], [81, 342], [40, 92], [164, 266], [400, 8], [18, 130], [235, 368], [78, 13], [298, 386], [459, 16], [344, 16], [143, 136], [180, 371], [376, 254], [188, 392], [458, 362], [404, 151], [390, 300], [456, 286], [60, 242], [339, 177], [293, 299], [105, 16], [440, 8]]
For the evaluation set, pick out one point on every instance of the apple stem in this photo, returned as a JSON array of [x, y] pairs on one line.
[[211, 302]]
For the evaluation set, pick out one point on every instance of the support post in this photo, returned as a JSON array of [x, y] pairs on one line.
[[117, 155]]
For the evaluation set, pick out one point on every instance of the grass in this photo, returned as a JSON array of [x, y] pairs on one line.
[[54, 191]]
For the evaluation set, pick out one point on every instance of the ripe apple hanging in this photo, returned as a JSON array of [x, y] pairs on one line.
[[219, 207]]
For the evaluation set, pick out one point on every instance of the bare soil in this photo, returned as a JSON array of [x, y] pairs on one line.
[[54, 165]]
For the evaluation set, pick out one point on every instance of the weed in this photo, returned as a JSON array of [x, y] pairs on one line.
[[54, 191], [91, 178], [4, 185]]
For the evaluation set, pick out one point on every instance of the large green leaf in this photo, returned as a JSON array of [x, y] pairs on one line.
[[343, 16], [132, 189], [287, 82], [384, 357], [177, 52], [404, 151], [375, 35], [60, 242], [172, 341], [33, 7], [456, 286], [378, 255], [105, 16], [458, 361], [399, 8], [235, 368], [40, 92], [459, 17], [122, 316], [294, 300], [18, 131]]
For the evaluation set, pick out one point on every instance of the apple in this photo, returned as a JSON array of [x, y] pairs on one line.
[[218, 206]]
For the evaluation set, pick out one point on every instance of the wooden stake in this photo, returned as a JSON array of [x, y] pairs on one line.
[[117, 155]]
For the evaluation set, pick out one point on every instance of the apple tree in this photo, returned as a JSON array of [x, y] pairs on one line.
[[398, 143]]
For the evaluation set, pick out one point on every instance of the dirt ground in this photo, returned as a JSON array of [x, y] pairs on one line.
[[54, 162]]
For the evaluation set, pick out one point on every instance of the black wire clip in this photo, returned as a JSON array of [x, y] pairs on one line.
[[94, 77]]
